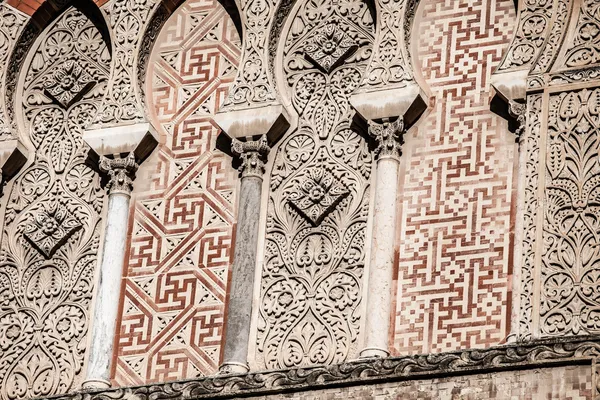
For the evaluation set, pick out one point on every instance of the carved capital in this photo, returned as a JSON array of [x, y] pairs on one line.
[[389, 137], [121, 172], [517, 111], [253, 156]]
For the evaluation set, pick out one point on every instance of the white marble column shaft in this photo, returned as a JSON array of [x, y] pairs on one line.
[[381, 267], [105, 314]]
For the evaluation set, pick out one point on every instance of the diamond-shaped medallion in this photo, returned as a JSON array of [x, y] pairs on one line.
[[69, 83], [51, 228], [317, 195], [328, 48]]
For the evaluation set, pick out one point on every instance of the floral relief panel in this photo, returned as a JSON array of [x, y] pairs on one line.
[[311, 283], [183, 208], [51, 227]]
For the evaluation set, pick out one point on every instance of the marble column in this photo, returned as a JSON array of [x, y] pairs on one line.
[[121, 172], [252, 156], [388, 136], [517, 111]]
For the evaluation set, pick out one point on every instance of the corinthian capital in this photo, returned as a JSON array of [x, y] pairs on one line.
[[389, 138], [253, 156], [121, 172], [517, 111]]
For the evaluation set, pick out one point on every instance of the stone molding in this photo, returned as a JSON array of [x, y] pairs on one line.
[[534, 354]]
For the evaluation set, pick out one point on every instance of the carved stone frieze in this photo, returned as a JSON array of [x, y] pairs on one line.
[[363, 372], [556, 36], [51, 226], [12, 23], [311, 281], [68, 83]]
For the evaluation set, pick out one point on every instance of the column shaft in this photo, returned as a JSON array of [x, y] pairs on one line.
[[381, 268], [241, 288], [107, 297]]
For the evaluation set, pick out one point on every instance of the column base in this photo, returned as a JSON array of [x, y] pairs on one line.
[[232, 367], [89, 384], [374, 352]]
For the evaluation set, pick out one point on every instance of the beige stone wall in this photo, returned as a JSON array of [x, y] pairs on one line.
[[572, 382]]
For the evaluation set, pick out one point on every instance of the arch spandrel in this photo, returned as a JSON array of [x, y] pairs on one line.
[[52, 221]]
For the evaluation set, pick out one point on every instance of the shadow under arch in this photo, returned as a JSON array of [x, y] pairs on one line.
[[47, 13], [159, 18]]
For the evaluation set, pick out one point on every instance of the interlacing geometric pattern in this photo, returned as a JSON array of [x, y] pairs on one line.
[[52, 225], [311, 287], [183, 209], [455, 243]]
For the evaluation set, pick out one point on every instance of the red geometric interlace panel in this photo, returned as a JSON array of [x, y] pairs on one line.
[[183, 210], [455, 242]]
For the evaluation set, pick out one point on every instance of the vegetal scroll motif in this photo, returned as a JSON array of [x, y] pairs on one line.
[[570, 275], [317, 214], [51, 233], [584, 49]]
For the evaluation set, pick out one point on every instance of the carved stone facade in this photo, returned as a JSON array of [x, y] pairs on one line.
[[334, 181], [52, 220]]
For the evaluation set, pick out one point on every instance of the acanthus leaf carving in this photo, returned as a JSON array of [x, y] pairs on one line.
[[121, 173], [253, 156]]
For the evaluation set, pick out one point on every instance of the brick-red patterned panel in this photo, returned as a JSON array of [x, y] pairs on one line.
[[183, 213], [455, 243]]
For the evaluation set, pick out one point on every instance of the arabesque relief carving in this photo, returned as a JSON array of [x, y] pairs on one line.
[[534, 22], [51, 228], [127, 21], [584, 49], [252, 85], [570, 274], [11, 24], [318, 206]]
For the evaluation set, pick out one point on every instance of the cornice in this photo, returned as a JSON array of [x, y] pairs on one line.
[[534, 354]]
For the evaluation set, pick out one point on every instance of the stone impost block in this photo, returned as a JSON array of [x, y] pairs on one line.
[[510, 85], [13, 155], [139, 138], [272, 120], [408, 101]]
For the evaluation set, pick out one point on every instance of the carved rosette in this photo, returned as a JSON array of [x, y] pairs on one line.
[[253, 156], [389, 137], [121, 173]]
